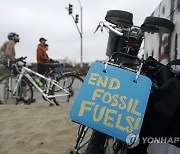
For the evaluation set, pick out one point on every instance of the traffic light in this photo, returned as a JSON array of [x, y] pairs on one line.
[[77, 18], [70, 9]]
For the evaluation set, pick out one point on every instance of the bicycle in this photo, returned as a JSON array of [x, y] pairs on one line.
[[11, 69], [55, 71], [124, 39], [101, 141], [70, 80], [53, 92]]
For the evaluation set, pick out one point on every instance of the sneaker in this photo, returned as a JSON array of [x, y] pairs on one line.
[[27, 101], [33, 100]]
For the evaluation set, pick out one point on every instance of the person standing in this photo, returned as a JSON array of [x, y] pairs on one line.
[[8, 53], [48, 59], [41, 56], [8, 48]]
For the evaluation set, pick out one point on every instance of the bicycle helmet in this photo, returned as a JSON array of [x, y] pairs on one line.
[[11, 35]]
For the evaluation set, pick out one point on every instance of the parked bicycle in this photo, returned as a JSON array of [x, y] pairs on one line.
[[55, 69], [123, 46], [70, 80], [55, 91]]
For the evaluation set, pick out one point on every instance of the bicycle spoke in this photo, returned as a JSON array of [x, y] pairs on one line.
[[70, 83], [23, 92]]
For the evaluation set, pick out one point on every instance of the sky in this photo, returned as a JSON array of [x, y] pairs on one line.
[[33, 19]]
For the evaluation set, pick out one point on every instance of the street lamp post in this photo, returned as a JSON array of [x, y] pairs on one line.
[[76, 18], [81, 35]]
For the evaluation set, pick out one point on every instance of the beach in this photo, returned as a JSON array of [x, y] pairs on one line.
[[36, 129]]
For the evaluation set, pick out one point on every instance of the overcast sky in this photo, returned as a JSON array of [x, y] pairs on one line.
[[33, 19]]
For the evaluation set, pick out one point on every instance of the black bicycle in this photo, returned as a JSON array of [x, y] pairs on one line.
[[124, 44]]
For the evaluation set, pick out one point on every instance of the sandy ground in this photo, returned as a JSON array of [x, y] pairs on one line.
[[42, 129], [36, 129]]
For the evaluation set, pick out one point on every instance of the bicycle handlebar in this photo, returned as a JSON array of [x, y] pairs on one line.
[[21, 59], [113, 30], [102, 24], [148, 64], [10, 63]]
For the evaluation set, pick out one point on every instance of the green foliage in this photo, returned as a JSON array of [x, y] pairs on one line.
[[82, 70]]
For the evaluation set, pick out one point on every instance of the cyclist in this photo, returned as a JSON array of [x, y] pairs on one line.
[[48, 59], [8, 48], [42, 56], [44, 62], [8, 53]]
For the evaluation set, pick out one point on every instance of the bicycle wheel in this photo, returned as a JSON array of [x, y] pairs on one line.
[[53, 74], [101, 143], [7, 85], [70, 83], [96, 143]]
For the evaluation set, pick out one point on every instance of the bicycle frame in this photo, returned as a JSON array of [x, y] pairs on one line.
[[81, 142], [50, 83]]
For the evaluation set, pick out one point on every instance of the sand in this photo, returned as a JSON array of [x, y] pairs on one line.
[[41, 129], [36, 129]]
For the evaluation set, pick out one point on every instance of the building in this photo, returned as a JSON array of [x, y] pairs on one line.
[[165, 47]]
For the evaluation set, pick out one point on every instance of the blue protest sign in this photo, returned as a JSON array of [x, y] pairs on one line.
[[112, 102]]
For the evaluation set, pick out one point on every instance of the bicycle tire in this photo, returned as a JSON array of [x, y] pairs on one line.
[[101, 143], [5, 89], [7, 85], [96, 143], [69, 82], [52, 74]]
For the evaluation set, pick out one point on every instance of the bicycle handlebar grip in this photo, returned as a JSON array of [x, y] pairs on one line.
[[19, 59]]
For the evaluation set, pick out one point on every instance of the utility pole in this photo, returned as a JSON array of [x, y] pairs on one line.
[[80, 30]]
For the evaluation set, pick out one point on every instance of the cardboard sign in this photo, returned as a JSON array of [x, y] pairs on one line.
[[112, 102]]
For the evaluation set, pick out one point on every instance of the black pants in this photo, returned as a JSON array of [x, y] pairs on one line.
[[42, 68]]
